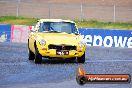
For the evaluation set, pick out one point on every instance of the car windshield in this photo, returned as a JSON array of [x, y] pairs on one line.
[[66, 27]]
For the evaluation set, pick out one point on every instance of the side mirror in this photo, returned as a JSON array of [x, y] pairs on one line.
[[77, 32], [33, 29]]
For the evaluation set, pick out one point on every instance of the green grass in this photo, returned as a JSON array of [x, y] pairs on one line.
[[80, 24], [108, 25], [17, 20]]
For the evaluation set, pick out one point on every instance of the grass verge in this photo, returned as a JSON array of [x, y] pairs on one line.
[[81, 24]]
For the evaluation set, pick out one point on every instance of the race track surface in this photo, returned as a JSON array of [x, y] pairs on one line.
[[16, 71]]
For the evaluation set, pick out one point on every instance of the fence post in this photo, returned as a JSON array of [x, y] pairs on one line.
[[17, 11], [114, 14], [81, 12], [49, 10]]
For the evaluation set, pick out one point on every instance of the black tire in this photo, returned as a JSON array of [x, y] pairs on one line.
[[38, 57], [31, 55], [81, 59]]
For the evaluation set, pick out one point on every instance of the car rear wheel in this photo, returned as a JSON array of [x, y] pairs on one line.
[[30, 55], [38, 57], [81, 59]]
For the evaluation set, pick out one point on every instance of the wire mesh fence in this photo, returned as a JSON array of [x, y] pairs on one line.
[[111, 13]]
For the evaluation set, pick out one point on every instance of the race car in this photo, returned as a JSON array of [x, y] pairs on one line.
[[56, 38]]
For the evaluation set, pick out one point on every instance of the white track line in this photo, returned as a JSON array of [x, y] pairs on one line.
[[108, 61]]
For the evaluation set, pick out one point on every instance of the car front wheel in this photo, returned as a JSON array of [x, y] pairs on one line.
[[81, 59], [30, 55], [38, 57]]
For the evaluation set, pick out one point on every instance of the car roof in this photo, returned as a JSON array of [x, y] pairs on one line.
[[55, 20]]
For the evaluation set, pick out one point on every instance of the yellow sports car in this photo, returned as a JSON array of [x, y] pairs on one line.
[[56, 38]]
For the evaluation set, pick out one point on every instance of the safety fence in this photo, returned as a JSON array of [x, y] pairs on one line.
[[82, 11], [92, 36]]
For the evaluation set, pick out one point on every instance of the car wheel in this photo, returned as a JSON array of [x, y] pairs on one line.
[[38, 57], [30, 55], [81, 59]]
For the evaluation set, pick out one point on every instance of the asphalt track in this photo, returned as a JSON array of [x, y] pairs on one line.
[[16, 71]]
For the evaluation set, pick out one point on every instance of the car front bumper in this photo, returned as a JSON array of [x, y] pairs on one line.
[[53, 53]]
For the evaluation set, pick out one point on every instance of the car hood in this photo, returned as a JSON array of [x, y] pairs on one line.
[[60, 38]]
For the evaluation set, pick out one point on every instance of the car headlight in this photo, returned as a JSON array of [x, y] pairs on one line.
[[42, 42], [82, 43]]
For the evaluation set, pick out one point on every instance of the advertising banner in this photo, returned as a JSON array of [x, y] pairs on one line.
[[5, 32], [92, 36], [107, 38], [19, 33]]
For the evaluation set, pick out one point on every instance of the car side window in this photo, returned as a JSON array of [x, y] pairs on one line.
[[41, 27], [74, 29], [37, 26]]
